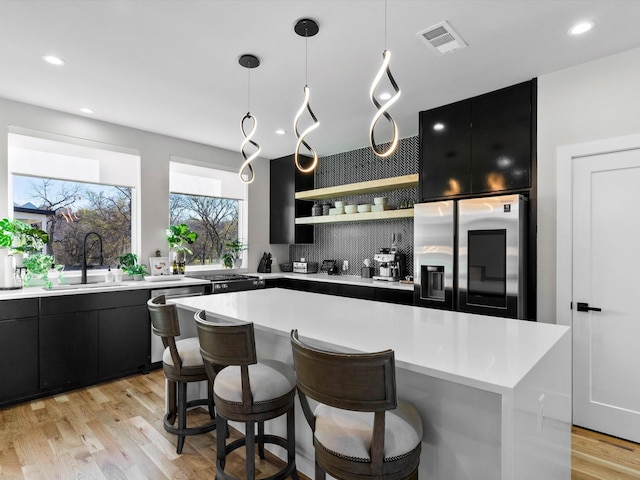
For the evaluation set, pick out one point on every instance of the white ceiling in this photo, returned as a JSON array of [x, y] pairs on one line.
[[171, 67]]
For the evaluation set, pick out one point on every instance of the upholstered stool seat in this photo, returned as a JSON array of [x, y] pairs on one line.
[[348, 434], [360, 429], [247, 391], [182, 364]]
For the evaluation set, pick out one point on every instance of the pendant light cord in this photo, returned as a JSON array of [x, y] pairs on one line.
[[249, 90], [306, 58], [385, 24]]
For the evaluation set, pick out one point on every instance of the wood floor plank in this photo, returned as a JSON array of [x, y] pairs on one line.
[[114, 431]]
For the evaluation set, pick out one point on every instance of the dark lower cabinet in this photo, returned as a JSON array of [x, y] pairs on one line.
[[389, 295], [18, 348], [68, 349], [93, 337], [123, 340], [356, 291]]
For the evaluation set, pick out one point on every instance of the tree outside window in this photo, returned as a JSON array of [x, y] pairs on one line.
[[214, 219], [76, 209]]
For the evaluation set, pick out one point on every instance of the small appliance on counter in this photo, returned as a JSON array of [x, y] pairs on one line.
[[392, 265], [330, 266], [305, 267]]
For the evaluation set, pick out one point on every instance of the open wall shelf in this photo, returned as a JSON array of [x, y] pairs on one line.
[[371, 186]]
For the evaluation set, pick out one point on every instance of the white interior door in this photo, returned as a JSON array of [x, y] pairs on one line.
[[605, 276]]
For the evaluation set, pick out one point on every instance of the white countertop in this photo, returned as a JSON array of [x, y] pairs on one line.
[[37, 292], [490, 353], [344, 279]]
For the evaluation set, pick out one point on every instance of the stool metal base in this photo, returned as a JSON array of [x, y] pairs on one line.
[[179, 412], [249, 441]]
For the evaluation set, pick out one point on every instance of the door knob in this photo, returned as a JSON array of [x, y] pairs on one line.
[[584, 307]]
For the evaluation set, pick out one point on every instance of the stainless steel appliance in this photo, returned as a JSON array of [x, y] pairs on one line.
[[470, 255], [229, 282], [391, 265], [305, 267]]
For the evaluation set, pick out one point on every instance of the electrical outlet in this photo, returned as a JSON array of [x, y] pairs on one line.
[[345, 265], [540, 418]]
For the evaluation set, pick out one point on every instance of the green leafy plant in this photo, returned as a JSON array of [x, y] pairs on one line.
[[38, 263], [234, 249], [179, 236], [21, 237], [130, 266]]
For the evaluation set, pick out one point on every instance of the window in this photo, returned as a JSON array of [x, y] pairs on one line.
[[69, 187], [67, 211], [212, 202]]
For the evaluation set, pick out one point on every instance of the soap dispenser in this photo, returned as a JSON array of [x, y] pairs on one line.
[[108, 277]]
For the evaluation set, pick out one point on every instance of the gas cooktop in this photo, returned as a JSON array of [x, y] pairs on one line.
[[222, 277]]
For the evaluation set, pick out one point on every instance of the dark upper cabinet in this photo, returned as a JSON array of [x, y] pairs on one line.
[[284, 181], [486, 145], [445, 150]]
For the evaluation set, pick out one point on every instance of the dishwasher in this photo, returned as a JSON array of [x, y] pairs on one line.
[[187, 328]]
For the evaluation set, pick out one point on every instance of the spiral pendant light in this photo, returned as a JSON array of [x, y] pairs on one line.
[[384, 107], [305, 28], [246, 172]]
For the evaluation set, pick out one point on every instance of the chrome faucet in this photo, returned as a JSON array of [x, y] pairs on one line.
[[85, 264]]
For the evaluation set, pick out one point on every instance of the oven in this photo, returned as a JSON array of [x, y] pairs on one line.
[[229, 282]]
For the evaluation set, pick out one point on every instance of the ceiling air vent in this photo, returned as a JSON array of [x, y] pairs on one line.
[[442, 39]]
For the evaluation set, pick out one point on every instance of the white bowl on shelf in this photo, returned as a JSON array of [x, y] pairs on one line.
[[351, 209], [380, 200], [340, 204], [363, 208], [336, 211]]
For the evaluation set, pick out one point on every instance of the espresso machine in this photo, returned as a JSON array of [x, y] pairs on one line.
[[391, 265]]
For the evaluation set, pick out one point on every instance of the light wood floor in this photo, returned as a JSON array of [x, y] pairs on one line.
[[114, 431]]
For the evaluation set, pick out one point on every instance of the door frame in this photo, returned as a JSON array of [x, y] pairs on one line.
[[565, 158]]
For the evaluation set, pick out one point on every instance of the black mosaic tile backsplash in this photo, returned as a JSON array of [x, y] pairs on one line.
[[355, 241]]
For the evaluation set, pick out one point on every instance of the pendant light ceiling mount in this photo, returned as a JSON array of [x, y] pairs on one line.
[[246, 172], [249, 61], [306, 27]]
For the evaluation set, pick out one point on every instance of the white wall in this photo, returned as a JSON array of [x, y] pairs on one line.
[[595, 100], [155, 151]]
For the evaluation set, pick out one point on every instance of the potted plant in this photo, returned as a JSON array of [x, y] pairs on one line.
[[21, 237], [16, 239], [180, 237], [234, 251], [129, 265], [38, 264]]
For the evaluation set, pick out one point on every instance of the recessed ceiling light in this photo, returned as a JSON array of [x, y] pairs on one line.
[[86, 110], [582, 27], [438, 126], [281, 131], [53, 60]]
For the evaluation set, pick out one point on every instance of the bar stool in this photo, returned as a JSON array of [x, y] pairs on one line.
[[360, 430], [182, 364], [247, 391]]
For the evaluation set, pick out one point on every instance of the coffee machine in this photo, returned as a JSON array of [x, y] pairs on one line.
[[391, 265]]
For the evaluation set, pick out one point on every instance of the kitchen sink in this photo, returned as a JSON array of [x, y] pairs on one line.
[[78, 286]]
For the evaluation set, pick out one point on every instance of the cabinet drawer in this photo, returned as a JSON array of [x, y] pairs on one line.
[[92, 301], [21, 308]]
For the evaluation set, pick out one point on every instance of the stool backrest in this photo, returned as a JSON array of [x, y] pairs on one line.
[[225, 343], [364, 382], [352, 381], [164, 323]]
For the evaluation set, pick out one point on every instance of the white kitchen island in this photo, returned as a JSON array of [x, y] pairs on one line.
[[494, 394]]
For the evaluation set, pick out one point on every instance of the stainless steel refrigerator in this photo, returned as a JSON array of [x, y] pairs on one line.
[[470, 255]]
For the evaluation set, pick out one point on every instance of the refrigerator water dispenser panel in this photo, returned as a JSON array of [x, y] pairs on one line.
[[432, 287]]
